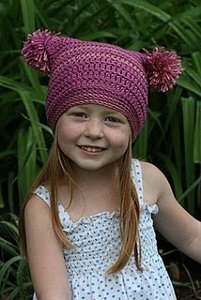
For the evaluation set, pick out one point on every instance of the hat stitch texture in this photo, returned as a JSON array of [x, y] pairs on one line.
[[86, 72]]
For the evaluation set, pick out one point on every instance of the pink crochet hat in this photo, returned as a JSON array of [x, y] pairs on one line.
[[84, 72]]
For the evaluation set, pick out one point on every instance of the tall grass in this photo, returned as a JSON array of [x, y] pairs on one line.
[[171, 137], [14, 273]]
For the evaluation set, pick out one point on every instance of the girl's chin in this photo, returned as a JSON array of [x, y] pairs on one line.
[[91, 166]]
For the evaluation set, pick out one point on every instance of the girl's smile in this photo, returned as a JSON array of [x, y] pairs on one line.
[[93, 136], [92, 149]]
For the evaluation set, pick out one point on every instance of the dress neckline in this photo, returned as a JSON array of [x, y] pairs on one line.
[[87, 218]]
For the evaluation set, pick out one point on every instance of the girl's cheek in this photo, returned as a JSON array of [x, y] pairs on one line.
[[67, 129], [120, 140]]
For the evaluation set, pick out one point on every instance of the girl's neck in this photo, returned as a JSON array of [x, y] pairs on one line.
[[105, 177], [96, 191]]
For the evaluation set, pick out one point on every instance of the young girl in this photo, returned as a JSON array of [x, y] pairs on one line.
[[87, 224]]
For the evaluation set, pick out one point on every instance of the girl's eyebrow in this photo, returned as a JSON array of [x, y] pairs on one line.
[[84, 107], [79, 107], [105, 110]]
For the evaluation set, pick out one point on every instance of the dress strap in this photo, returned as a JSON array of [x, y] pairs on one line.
[[43, 193], [137, 177]]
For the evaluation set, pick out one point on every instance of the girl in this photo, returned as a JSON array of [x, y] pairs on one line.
[[86, 225]]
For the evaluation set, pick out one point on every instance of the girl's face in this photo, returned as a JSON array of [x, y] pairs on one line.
[[93, 136]]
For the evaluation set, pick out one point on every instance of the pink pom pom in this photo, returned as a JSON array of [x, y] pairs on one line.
[[163, 68], [35, 50]]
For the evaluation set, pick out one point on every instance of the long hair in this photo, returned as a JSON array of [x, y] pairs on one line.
[[58, 168], [129, 215]]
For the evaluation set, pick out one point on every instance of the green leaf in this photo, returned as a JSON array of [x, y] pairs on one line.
[[125, 14], [8, 266], [144, 5], [33, 116], [196, 56], [27, 167], [28, 15], [188, 85], [184, 34], [197, 135], [98, 35], [1, 197], [174, 175], [8, 247], [188, 109], [140, 145], [193, 75]]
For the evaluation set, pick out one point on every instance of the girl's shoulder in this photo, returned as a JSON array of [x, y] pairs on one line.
[[38, 202], [39, 199], [36, 211], [153, 182], [43, 193], [149, 169]]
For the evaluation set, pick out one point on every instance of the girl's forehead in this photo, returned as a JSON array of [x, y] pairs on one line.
[[96, 108]]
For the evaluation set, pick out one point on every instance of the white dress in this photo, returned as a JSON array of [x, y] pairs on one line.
[[97, 242]]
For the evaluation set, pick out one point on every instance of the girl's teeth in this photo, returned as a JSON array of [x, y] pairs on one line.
[[91, 149]]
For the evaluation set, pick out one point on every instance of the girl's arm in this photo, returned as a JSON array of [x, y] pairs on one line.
[[173, 222], [45, 256]]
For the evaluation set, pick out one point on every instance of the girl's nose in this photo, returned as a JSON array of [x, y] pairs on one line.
[[94, 129]]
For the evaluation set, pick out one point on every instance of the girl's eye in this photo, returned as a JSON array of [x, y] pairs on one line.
[[113, 120], [80, 114]]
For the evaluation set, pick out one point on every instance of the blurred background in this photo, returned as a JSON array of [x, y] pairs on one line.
[[171, 138]]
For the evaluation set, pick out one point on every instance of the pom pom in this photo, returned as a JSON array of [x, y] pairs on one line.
[[35, 50], [163, 68]]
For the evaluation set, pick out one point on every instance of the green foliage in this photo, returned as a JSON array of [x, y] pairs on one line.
[[171, 136], [14, 272]]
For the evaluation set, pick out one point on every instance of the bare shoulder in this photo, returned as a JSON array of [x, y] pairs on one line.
[[154, 182], [38, 222], [37, 217], [149, 169], [153, 174], [36, 207]]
